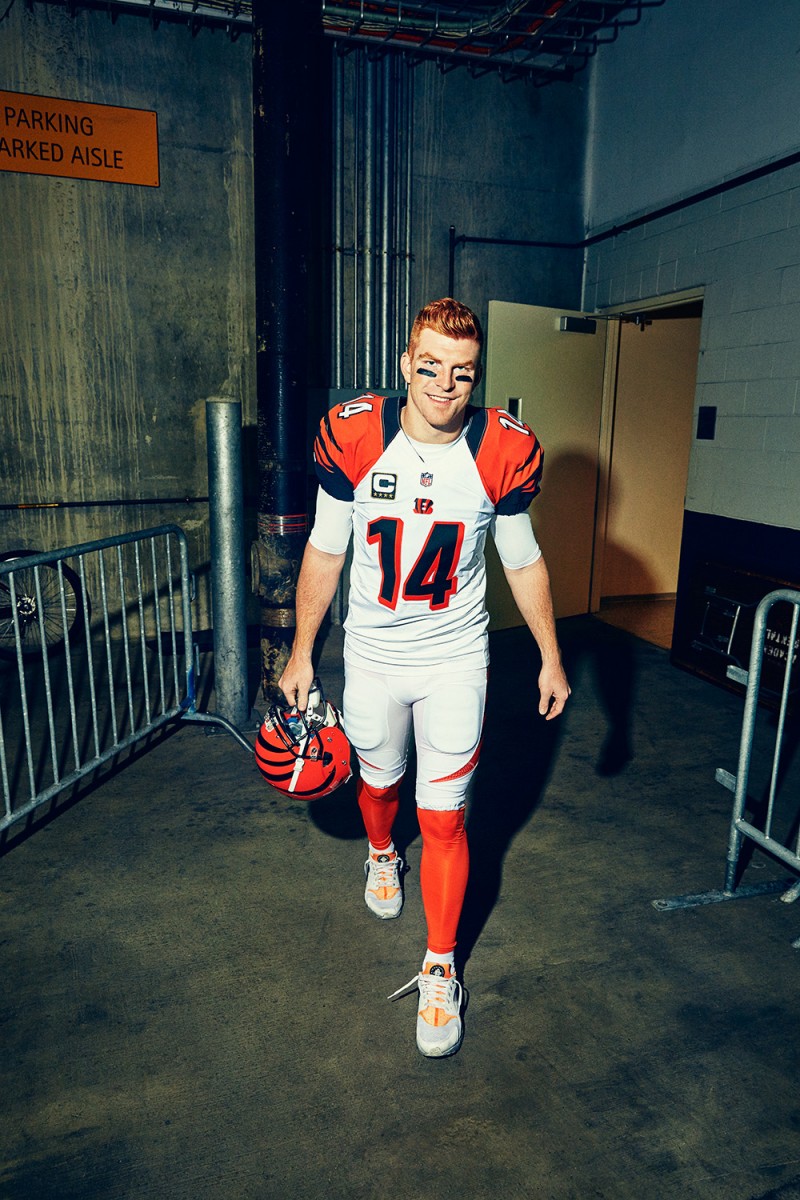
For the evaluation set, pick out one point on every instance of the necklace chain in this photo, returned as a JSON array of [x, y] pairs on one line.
[[413, 445]]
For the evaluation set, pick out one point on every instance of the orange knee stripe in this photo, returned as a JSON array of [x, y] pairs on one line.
[[443, 874]]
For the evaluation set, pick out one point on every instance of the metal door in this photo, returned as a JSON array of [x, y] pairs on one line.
[[547, 366]]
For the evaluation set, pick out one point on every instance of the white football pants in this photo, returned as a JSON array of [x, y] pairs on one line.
[[446, 709]]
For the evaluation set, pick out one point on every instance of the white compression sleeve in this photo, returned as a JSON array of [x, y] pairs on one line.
[[515, 541], [333, 524]]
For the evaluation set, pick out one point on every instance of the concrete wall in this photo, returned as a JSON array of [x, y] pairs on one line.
[[124, 307], [658, 133], [499, 160], [492, 159]]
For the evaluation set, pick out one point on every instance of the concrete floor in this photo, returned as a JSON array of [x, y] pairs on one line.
[[194, 995]]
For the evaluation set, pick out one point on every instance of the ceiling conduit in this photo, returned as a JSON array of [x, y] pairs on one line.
[[521, 39]]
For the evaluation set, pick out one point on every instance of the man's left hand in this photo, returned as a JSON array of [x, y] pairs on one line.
[[554, 690]]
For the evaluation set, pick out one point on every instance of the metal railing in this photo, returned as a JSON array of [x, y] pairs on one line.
[[96, 655], [771, 820]]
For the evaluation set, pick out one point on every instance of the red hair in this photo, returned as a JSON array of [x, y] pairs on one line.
[[449, 317]]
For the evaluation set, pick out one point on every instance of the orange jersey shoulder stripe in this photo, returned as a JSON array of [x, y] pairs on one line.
[[351, 438], [509, 459]]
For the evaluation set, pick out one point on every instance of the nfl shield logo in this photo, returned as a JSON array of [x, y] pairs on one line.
[[426, 478]]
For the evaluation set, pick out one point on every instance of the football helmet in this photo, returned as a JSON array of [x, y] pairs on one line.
[[306, 755]]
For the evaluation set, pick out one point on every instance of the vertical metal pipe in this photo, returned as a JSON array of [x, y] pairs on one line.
[[337, 323], [226, 505], [385, 259], [369, 225], [355, 191], [403, 216], [396, 225], [405, 316]]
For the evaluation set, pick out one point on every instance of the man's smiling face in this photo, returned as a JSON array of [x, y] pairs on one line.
[[441, 374]]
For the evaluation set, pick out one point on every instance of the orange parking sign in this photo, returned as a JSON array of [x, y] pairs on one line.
[[43, 135]]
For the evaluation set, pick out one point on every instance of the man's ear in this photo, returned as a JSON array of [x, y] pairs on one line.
[[405, 366], [478, 374]]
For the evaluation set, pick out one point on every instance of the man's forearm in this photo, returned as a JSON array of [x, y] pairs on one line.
[[316, 586], [530, 587]]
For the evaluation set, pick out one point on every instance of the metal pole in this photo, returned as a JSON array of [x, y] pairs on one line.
[[337, 318], [385, 261], [224, 434], [404, 318], [366, 379], [358, 159]]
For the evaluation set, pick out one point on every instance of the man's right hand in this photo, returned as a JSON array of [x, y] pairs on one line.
[[295, 682]]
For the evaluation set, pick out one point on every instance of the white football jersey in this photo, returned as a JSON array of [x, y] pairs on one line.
[[420, 518]]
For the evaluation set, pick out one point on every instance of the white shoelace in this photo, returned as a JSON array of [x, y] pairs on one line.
[[384, 874], [434, 991]]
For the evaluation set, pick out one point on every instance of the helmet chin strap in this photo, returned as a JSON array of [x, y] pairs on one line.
[[298, 766]]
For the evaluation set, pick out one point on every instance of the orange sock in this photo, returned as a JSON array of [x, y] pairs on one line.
[[443, 874], [378, 809]]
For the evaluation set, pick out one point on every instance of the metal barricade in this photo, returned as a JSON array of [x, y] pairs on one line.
[[96, 655], [771, 825]]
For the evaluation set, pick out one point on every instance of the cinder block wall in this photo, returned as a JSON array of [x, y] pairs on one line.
[[742, 249], [693, 98]]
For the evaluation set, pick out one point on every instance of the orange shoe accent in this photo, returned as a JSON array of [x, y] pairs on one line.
[[433, 1014], [384, 892], [437, 1017]]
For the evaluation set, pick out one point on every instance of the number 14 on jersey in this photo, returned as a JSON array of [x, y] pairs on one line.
[[433, 577]]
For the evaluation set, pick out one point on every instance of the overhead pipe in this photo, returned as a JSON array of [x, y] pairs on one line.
[[413, 28], [419, 15], [511, 53], [434, 31]]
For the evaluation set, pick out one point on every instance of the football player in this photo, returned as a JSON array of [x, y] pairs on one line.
[[417, 481]]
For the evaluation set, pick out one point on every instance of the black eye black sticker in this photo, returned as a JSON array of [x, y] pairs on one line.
[[425, 371]]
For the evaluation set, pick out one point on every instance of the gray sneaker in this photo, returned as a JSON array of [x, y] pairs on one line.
[[384, 890], [440, 1029]]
